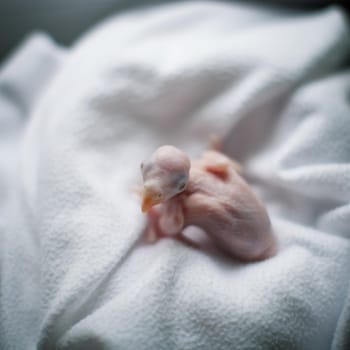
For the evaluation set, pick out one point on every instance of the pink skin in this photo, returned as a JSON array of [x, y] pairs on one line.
[[164, 175], [219, 201]]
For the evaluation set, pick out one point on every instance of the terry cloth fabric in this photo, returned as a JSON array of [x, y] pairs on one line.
[[75, 126]]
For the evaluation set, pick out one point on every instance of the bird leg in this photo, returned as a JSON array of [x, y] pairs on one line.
[[171, 220]]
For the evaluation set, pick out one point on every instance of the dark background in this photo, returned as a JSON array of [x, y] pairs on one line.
[[64, 20]]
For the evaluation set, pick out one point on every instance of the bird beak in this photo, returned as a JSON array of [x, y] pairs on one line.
[[148, 201]]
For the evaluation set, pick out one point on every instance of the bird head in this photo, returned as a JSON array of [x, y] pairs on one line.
[[164, 175]]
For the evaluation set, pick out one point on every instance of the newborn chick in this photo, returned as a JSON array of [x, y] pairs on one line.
[[214, 198]]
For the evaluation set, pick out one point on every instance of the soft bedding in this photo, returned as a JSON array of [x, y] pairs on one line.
[[75, 125]]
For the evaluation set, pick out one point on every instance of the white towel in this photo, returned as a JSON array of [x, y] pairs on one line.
[[273, 84]]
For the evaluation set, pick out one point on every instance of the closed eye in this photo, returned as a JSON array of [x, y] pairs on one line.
[[182, 186]]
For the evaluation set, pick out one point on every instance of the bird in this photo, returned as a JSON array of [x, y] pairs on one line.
[[210, 193]]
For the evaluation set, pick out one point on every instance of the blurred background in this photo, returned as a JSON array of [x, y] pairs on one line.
[[65, 20]]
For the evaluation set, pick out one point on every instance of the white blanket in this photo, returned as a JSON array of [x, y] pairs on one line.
[[75, 126]]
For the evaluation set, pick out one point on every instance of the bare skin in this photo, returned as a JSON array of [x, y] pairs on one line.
[[218, 200]]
